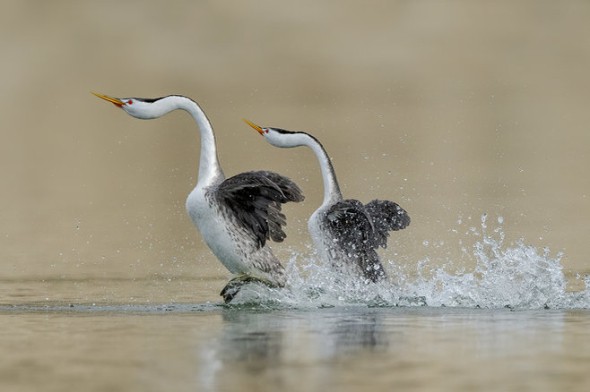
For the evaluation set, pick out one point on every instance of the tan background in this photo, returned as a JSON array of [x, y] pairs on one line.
[[453, 109]]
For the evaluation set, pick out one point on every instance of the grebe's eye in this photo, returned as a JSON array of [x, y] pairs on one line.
[[265, 130], [130, 102]]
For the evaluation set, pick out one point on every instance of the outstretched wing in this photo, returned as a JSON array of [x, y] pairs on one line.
[[352, 227], [386, 216], [255, 198], [349, 222]]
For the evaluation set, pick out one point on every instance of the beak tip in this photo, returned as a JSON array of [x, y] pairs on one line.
[[258, 128], [115, 101]]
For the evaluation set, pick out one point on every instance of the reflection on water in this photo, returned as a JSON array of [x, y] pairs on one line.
[[370, 346], [254, 343], [250, 337], [212, 348], [254, 335]]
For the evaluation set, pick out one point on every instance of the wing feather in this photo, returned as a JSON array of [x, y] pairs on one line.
[[386, 216], [255, 198], [352, 227]]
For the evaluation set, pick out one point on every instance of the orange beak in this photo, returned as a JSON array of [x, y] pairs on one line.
[[116, 101], [256, 127]]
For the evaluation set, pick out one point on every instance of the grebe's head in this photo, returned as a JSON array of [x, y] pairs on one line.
[[142, 108], [279, 137]]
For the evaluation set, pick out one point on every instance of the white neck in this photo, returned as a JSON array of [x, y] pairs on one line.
[[332, 192], [209, 170]]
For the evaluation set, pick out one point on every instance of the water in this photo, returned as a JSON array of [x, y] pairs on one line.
[[471, 115], [350, 347], [516, 276], [511, 324]]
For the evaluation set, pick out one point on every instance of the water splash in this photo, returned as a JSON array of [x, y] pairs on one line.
[[518, 276]]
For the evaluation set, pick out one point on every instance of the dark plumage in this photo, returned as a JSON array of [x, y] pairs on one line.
[[357, 230], [255, 199], [386, 216], [346, 232]]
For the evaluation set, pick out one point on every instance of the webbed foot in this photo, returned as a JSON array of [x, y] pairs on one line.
[[233, 287]]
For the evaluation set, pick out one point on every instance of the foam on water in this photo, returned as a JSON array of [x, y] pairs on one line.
[[517, 276]]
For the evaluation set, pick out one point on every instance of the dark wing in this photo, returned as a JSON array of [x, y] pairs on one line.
[[349, 222], [255, 198], [386, 216], [352, 228]]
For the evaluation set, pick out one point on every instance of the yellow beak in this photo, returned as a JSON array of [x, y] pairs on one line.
[[256, 127], [115, 101]]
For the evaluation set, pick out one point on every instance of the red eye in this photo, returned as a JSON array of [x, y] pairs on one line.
[[129, 102], [265, 130]]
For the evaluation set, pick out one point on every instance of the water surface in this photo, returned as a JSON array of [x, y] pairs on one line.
[[211, 348], [471, 115]]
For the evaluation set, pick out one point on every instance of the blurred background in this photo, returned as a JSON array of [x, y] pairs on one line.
[[453, 109]]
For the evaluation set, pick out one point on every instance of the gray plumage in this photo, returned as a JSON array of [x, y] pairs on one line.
[[355, 232], [249, 205], [254, 198]]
